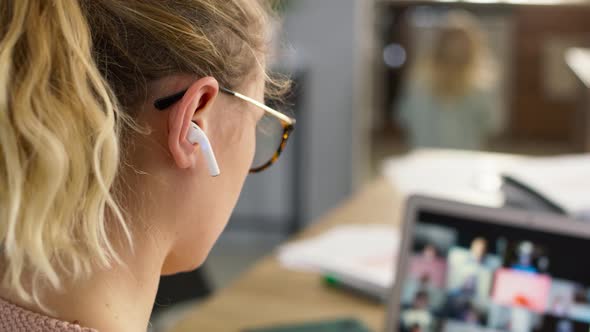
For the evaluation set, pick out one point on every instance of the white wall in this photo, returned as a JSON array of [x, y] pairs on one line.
[[323, 36]]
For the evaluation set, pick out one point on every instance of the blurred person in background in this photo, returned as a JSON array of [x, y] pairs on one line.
[[448, 100]]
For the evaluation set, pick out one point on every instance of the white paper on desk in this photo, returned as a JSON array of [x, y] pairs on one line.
[[366, 254], [469, 177], [563, 180]]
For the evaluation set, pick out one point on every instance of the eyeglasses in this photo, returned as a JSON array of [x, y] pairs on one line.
[[272, 130]]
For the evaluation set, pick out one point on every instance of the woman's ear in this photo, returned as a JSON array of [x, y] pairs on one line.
[[195, 105]]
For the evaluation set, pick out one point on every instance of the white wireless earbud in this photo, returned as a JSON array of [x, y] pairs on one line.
[[197, 136]]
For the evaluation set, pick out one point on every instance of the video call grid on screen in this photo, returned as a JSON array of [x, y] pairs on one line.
[[468, 275]]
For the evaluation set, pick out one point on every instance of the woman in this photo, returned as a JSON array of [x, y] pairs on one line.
[[449, 100], [101, 190]]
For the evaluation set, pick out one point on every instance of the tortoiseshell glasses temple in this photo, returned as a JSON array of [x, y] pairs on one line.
[[287, 122]]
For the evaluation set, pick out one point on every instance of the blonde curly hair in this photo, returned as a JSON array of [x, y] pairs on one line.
[[71, 74]]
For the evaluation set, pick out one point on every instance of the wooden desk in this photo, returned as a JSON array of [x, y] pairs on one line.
[[269, 294]]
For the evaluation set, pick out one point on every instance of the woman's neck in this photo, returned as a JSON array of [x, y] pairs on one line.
[[116, 299]]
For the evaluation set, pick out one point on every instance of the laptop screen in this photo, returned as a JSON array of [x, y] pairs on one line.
[[468, 275]]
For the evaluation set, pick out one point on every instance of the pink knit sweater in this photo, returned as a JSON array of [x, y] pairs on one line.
[[17, 319]]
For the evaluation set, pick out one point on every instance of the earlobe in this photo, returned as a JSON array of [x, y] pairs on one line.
[[195, 105]]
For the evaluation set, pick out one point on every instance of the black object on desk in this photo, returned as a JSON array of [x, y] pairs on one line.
[[340, 325], [519, 195]]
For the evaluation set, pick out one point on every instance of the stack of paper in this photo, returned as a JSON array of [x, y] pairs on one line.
[[364, 255], [469, 177], [476, 177], [565, 181]]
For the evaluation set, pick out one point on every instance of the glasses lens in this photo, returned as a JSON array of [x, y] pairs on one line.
[[269, 135]]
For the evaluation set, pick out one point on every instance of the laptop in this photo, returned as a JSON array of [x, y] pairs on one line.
[[465, 268]]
